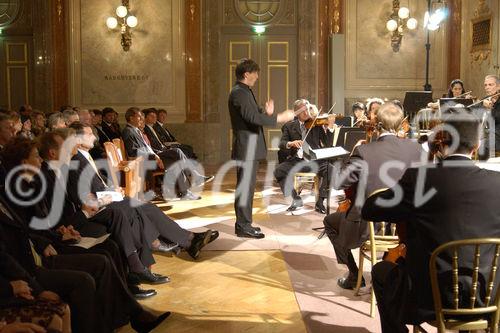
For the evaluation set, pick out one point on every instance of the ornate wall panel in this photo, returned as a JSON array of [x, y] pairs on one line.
[[373, 69], [152, 73]]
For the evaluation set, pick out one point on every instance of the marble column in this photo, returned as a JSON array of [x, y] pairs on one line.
[[193, 61], [454, 39], [307, 50]]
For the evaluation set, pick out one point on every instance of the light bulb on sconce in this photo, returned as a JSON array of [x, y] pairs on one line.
[[132, 21], [392, 25], [125, 21], [403, 13], [412, 24], [121, 11], [111, 22]]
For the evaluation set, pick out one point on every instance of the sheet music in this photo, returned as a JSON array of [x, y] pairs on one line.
[[88, 242], [318, 154]]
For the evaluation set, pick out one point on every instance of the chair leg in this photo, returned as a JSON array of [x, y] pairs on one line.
[[316, 188], [360, 272], [373, 301]]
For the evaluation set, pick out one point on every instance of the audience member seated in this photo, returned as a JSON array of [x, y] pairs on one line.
[[70, 116], [167, 138], [55, 120], [97, 125], [23, 301], [171, 160], [109, 122], [146, 222], [362, 174], [26, 128], [22, 154], [459, 203], [38, 123], [97, 152], [293, 139], [17, 125], [25, 111]]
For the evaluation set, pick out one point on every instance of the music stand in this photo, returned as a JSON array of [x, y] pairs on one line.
[[327, 154], [414, 101]]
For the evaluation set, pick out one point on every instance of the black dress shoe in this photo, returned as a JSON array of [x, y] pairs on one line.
[[147, 277], [296, 203], [141, 293], [349, 282], [319, 207], [142, 326], [213, 236], [198, 242], [256, 228], [249, 233], [189, 196], [169, 248], [201, 180]]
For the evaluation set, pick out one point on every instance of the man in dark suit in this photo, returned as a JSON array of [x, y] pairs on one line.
[[437, 204], [167, 137], [108, 124], [61, 209], [292, 139], [146, 222], [249, 144], [172, 160], [97, 125], [99, 300], [370, 167]]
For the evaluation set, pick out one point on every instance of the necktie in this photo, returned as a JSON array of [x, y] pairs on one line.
[[145, 141], [303, 131], [91, 161]]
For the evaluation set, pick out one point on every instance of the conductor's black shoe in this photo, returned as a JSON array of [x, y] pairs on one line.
[[249, 233], [189, 196], [319, 207], [199, 240], [141, 324], [349, 282], [296, 203], [147, 277], [141, 293]]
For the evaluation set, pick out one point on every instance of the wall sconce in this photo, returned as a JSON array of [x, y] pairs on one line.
[[399, 21], [126, 21]]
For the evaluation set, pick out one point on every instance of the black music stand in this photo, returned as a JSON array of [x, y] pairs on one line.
[[328, 154], [447, 103], [414, 101]]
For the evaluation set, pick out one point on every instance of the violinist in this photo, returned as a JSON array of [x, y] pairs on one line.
[[457, 90], [492, 87], [293, 134], [372, 106], [364, 170], [359, 112]]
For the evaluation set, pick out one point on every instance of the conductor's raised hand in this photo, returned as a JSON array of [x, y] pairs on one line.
[[285, 116], [269, 107]]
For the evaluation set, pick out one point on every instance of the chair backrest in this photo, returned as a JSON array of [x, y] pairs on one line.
[[490, 302], [113, 158], [122, 153]]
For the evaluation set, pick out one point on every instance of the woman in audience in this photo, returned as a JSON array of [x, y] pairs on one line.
[[26, 128], [38, 126], [16, 121], [56, 120]]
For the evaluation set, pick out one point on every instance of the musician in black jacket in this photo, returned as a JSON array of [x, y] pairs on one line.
[[450, 201], [370, 167], [292, 139], [249, 144]]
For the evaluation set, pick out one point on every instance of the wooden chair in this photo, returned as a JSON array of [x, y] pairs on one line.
[[121, 148], [483, 318], [130, 170], [375, 244], [301, 178]]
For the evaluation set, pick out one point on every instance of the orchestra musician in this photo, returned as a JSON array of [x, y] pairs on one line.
[[457, 210], [372, 106], [359, 112], [293, 139], [456, 89], [346, 230], [492, 87]]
